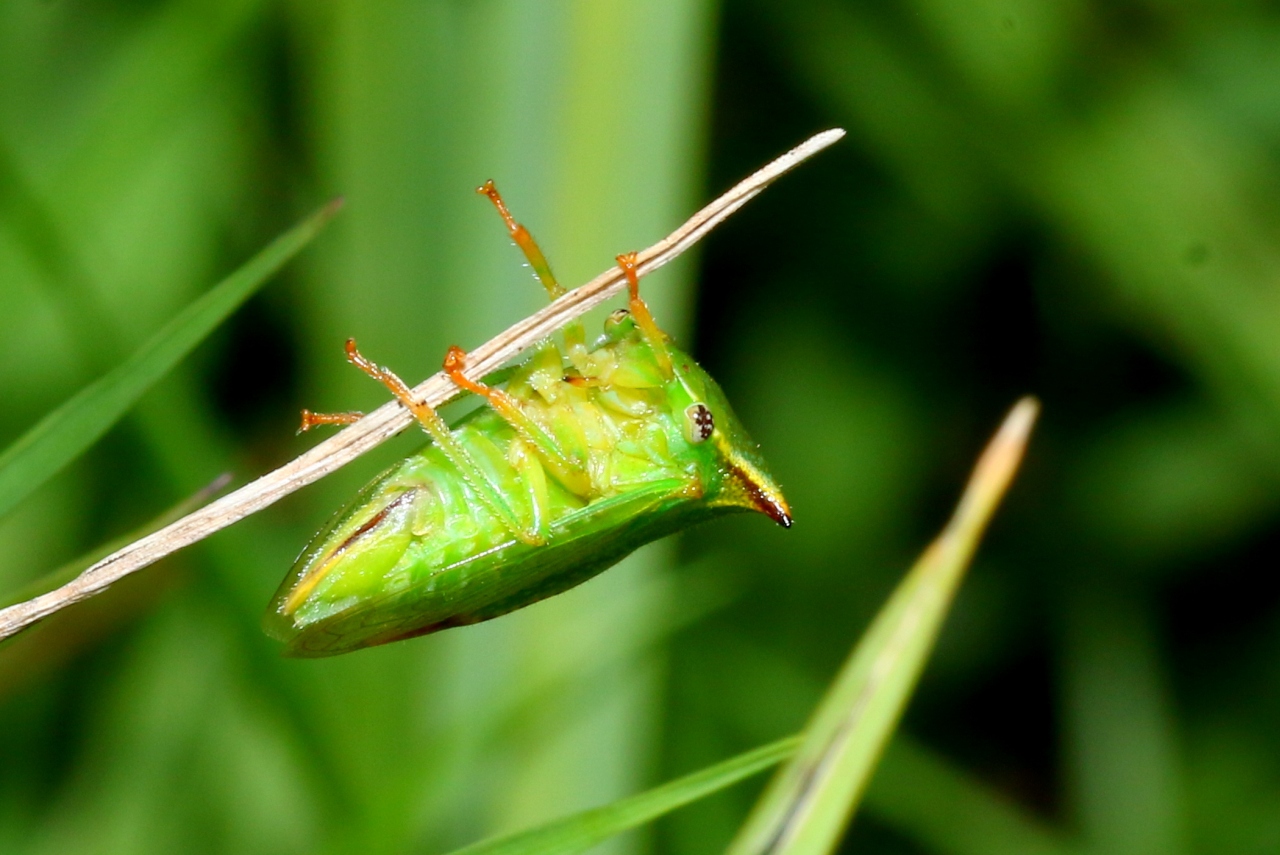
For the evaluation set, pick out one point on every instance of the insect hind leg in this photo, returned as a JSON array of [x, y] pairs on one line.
[[440, 433], [524, 240], [574, 334]]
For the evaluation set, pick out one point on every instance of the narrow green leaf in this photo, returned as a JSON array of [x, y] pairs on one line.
[[1127, 784], [67, 431], [810, 800], [581, 831]]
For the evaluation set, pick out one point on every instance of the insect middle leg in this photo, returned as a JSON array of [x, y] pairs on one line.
[[439, 431], [310, 419], [568, 472]]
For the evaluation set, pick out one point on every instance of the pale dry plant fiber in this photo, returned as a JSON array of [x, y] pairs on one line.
[[391, 418]]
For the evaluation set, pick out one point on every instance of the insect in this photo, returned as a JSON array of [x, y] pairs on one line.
[[589, 452]]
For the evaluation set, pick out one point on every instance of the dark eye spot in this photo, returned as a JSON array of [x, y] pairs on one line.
[[619, 315], [700, 422]]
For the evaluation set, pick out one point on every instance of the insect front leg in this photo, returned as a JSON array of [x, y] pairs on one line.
[[643, 317], [439, 431], [568, 472]]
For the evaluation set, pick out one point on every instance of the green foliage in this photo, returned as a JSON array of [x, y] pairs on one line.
[[580, 832], [67, 431], [810, 801], [1074, 200]]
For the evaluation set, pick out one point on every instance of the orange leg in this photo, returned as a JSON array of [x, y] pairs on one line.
[[640, 311], [524, 240], [439, 431], [310, 419], [575, 337], [566, 471]]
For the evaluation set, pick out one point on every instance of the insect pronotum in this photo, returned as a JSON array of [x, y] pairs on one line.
[[590, 451]]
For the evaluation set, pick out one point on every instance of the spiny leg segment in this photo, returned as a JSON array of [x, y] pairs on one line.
[[439, 431], [524, 240], [574, 335]]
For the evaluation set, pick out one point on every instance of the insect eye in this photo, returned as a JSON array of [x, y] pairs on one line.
[[699, 422]]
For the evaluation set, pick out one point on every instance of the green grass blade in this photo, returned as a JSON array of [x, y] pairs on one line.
[[809, 802], [1123, 742], [63, 434], [581, 831]]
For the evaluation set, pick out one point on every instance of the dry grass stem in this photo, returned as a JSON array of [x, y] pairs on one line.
[[391, 418]]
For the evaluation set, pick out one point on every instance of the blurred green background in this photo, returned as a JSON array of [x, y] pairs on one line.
[[1075, 199]]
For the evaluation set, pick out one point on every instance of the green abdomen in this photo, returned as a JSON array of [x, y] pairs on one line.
[[418, 551]]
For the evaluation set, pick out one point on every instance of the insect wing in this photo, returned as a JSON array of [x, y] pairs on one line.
[[371, 528], [496, 581]]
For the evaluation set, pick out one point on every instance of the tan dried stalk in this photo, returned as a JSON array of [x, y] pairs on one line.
[[391, 418]]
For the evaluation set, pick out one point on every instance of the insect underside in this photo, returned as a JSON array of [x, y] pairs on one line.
[[589, 452]]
